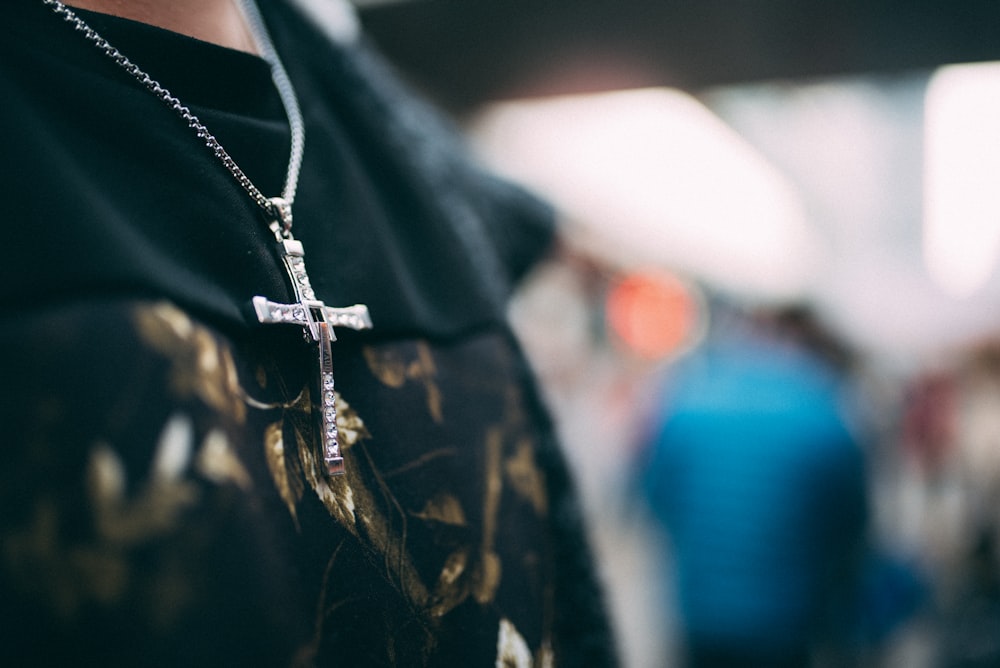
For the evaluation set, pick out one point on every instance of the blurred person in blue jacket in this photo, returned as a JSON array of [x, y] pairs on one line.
[[760, 484]]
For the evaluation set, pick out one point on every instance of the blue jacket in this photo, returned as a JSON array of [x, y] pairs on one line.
[[760, 485]]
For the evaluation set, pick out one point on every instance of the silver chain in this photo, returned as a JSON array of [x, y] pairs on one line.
[[277, 208]]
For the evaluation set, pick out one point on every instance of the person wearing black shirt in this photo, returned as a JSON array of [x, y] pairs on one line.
[[164, 498]]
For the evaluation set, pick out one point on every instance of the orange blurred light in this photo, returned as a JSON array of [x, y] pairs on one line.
[[653, 313]]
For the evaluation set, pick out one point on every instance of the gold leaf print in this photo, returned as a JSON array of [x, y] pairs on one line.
[[443, 508], [391, 544], [512, 649], [488, 578], [52, 573], [454, 567], [350, 427], [163, 325], [290, 487], [68, 576], [452, 586], [425, 370], [157, 508], [105, 477], [336, 494], [127, 516], [493, 486], [217, 461], [526, 478], [201, 367], [387, 364], [260, 375], [546, 657], [354, 505], [173, 451], [393, 370]]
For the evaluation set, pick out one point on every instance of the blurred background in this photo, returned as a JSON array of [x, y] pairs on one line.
[[769, 208]]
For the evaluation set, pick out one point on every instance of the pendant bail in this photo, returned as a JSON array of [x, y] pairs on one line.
[[281, 210]]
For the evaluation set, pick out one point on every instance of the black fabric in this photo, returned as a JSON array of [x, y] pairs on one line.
[[162, 500], [390, 211]]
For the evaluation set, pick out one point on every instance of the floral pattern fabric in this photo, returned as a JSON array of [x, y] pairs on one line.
[[164, 501]]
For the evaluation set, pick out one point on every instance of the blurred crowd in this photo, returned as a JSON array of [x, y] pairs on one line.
[[763, 493]]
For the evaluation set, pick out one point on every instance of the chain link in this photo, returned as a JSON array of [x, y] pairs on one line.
[[281, 81]]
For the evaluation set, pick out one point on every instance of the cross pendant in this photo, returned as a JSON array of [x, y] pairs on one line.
[[318, 321]]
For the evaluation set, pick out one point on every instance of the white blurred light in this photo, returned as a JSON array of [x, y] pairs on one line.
[[962, 177], [655, 175]]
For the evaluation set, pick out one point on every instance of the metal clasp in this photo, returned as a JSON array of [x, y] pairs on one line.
[[281, 211]]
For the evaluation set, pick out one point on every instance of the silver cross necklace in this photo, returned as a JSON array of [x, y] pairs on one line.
[[307, 311]]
